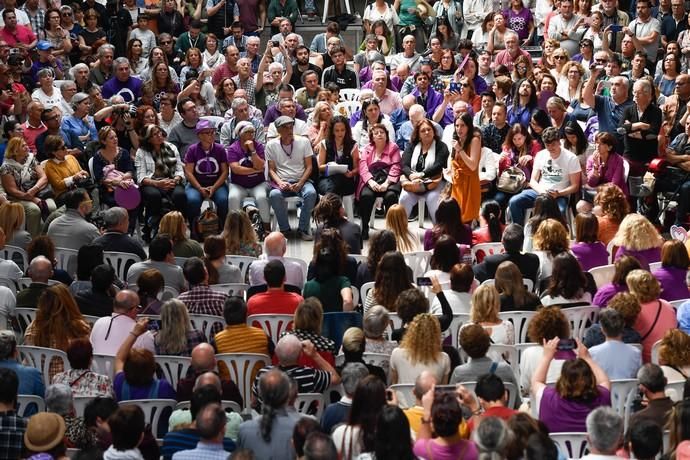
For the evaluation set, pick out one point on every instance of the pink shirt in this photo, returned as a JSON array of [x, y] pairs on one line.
[[390, 156], [389, 102], [504, 57], [22, 34], [31, 133], [651, 331]]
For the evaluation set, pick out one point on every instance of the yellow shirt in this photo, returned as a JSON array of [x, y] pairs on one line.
[[57, 172], [414, 416]]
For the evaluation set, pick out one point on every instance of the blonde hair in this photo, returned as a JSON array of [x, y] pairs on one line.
[[637, 233], [237, 231], [11, 218], [644, 285], [423, 339], [675, 348], [485, 305], [13, 146], [172, 336], [316, 115], [396, 222], [551, 236], [173, 225]]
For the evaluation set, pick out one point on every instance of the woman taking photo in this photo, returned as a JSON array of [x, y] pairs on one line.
[[174, 226], [637, 237], [338, 149], [160, 175], [581, 387], [23, 180], [392, 277], [420, 350], [673, 271], [176, 336], [137, 62], [513, 294], [448, 222], [246, 158], [379, 173], [422, 167], [371, 116], [463, 163]]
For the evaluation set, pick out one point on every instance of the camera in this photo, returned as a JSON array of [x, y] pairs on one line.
[[132, 110]]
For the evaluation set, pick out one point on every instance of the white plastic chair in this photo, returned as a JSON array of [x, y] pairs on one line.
[[603, 275], [80, 403], [405, 394], [120, 261], [25, 316], [623, 393], [174, 367], [454, 329], [674, 390], [418, 261], [169, 292], [486, 249], [655, 352], [520, 320], [24, 283], [241, 262], [41, 357], [25, 401], [243, 368], [349, 107], [348, 94], [579, 317], [382, 360], [677, 303], [510, 356], [364, 290], [10, 252], [205, 323], [225, 404], [66, 259], [272, 325], [611, 248], [311, 404], [154, 410], [103, 364], [571, 445], [238, 289]]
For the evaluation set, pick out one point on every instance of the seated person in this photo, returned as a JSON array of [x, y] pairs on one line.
[[276, 300], [98, 301]]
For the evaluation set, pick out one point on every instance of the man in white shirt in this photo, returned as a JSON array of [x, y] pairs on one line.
[[604, 433], [289, 167], [645, 32], [288, 109], [556, 171], [108, 333]]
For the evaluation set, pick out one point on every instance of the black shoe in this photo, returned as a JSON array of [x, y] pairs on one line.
[[413, 215], [365, 233]]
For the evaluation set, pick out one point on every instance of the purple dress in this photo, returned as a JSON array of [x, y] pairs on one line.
[[590, 255], [645, 256], [673, 284], [606, 293], [563, 415]]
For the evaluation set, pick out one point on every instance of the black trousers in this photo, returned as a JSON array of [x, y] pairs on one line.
[[368, 197], [158, 202]]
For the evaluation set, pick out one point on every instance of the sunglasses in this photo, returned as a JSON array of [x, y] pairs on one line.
[[166, 43], [559, 57], [66, 14]]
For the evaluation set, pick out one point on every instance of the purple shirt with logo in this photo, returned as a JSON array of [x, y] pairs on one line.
[[207, 165]]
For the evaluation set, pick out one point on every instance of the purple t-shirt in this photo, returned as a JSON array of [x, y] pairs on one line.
[[563, 415], [590, 255], [207, 165], [645, 256], [130, 90], [165, 390], [606, 293], [518, 22], [236, 154], [673, 285], [463, 449]]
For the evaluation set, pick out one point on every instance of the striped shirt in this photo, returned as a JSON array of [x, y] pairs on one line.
[[308, 380], [240, 338]]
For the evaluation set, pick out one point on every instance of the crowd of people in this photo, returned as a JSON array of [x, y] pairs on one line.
[[175, 133]]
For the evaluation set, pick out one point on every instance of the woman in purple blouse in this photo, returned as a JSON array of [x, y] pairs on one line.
[[603, 167], [673, 272], [582, 387], [587, 249], [623, 266], [637, 237]]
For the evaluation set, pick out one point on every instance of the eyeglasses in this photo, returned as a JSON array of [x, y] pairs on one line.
[[559, 57], [465, 85]]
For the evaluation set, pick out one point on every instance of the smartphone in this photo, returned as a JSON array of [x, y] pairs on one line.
[[275, 43], [567, 344], [423, 281], [445, 388], [616, 28], [454, 87]]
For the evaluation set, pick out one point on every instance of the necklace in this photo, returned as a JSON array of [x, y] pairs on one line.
[[282, 146]]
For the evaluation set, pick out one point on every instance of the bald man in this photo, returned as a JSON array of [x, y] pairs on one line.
[[275, 246], [40, 271], [109, 332], [204, 368]]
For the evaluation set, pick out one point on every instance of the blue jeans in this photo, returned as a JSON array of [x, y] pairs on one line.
[[308, 196], [524, 200], [194, 200]]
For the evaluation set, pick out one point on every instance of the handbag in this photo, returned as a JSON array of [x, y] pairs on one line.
[[512, 180], [208, 223]]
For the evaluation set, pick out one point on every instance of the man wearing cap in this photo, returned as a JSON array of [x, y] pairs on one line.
[[79, 127], [289, 167], [206, 170], [46, 60], [16, 35]]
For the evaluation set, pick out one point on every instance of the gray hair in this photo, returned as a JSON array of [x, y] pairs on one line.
[[288, 349], [208, 378], [8, 343], [612, 322], [276, 66], [119, 61], [114, 216], [66, 83], [645, 85], [59, 399], [238, 102], [651, 376], [73, 70], [40, 268], [351, 374], [253, 39], [45, 72], [492, 437], [604, 430], [103, 48], [375, 322]]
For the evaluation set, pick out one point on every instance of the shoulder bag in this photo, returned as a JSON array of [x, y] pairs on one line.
[[512, 180]]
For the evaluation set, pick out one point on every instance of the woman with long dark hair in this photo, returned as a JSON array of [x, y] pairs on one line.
[[380, 243], [519, 150], [448, 222], [337, 150], [464, 167], [393, 435], [392, 277], [371, 116], [568, 284], [538, 122], [330, 285], [136, 58], [490, 228]]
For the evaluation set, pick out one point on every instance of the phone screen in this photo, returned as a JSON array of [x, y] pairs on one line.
[[567, 344], [423, 281]]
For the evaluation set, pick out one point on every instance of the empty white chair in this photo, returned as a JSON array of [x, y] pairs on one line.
[[520, 320], [674, 390], [204, 323], [241, 262], [623, 393], [25, 316], [41, 357], [120, 261], [67, 259], [16, 254], [243, 368], [25, 402], [579, 317], [348, 94], [603, 275], [156, 412], [405, 394], [310, 404], [174, 367], [486, 249], [571, 445], [364, 290], [272, 325], [418, 261]]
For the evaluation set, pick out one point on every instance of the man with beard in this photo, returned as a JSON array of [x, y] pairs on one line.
[[302, 65]]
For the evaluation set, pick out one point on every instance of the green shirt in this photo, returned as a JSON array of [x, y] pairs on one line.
[[328, 292], [407, 19]]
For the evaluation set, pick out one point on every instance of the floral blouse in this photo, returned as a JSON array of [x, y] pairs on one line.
[[84, 382], [24, 181]]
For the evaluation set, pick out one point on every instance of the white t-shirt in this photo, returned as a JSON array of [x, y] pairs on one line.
[[643, 29], [56, 100], [22, 18], [555, 172], [408, 372], [289, 161]]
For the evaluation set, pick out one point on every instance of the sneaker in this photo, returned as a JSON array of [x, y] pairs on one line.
[[305, 236]]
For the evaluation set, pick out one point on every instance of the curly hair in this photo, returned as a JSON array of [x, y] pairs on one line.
[[391, 279], [423, 339], [627, 305], [58, 319], [410, 303], [675, 348], [612, 201], [327, 210], [485, 305], [577, 381], [637, 233], [330, 254], [549, 322], [551, 236], [644, 285]]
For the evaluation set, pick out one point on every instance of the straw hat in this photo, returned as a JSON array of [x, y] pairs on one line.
[[44, 431]]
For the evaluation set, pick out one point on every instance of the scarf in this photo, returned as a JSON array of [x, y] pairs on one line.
[[26, 179], [430, 156], [165, 162]]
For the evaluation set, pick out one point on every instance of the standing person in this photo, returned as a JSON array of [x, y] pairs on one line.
[[206, 170], [290, 169], [645, 32], [641, 122], [412, 20], [463, 164]]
